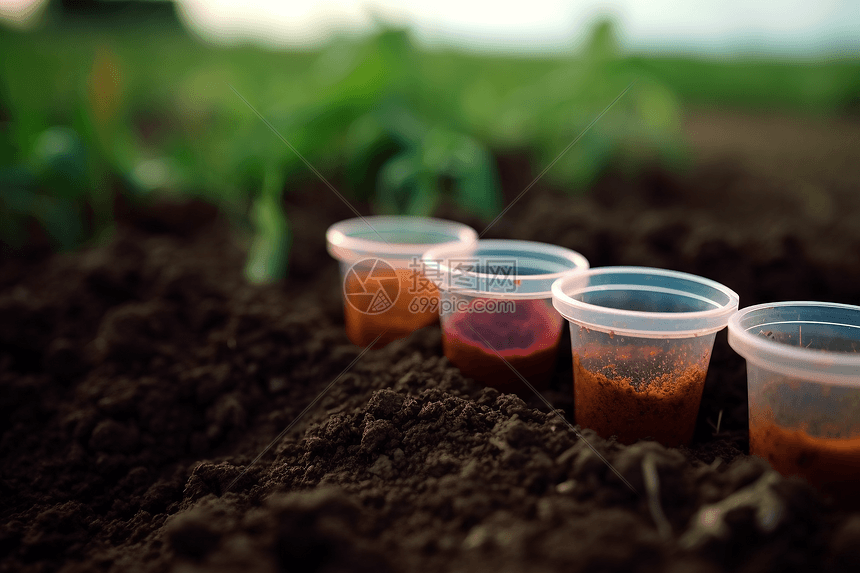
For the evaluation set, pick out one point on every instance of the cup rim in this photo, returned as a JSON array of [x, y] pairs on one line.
[[650, 324], [438, 253], [794, 361], [344, 247]]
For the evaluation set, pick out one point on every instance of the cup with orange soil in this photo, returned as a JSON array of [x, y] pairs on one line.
[[385, 294], [803, 376], [496, 312], [641, 341]]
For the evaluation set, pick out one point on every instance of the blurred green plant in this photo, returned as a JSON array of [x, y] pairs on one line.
[[364, 126], [269, 252], [58, 175], [555, 107], [393, 127], [419, 166], [145, 110]]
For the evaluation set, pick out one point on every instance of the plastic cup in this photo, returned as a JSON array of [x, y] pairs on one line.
[[496, 309], [642, 341], [803, 375], [384, 292]]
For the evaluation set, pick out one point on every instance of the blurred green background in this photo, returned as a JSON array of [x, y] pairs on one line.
[[108, 105]]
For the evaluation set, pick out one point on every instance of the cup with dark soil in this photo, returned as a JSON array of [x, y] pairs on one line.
[[498, 324], [641, 341], [803, 375]]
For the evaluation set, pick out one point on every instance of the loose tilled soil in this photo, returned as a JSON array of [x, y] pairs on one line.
[[141, 378]]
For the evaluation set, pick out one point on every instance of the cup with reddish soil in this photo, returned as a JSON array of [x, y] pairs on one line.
[[803, 376], [385, 294], [641, 341], [496, 311]]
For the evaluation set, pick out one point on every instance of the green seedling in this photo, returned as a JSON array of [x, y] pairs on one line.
[[269, 252]]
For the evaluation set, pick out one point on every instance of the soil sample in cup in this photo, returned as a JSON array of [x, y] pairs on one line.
[[383, 300], [641, 340], [386, 295], [803, 378], [496, 309], [638, 395], [525, 334], [831, 464]]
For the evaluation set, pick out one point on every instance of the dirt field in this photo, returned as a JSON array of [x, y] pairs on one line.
[[139, 379]]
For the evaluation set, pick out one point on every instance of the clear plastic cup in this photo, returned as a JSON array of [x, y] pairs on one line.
[[803, 375], [496, 309], [642, 341], [384, 292]]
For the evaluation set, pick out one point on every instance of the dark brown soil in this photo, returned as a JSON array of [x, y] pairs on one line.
[[138, 381]]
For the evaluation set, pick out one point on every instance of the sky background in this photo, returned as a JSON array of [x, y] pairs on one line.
[[796, 28]]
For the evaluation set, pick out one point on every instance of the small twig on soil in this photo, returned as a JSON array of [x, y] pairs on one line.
[[305, 411], [717, 427], [554, 411], [652, 489]]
